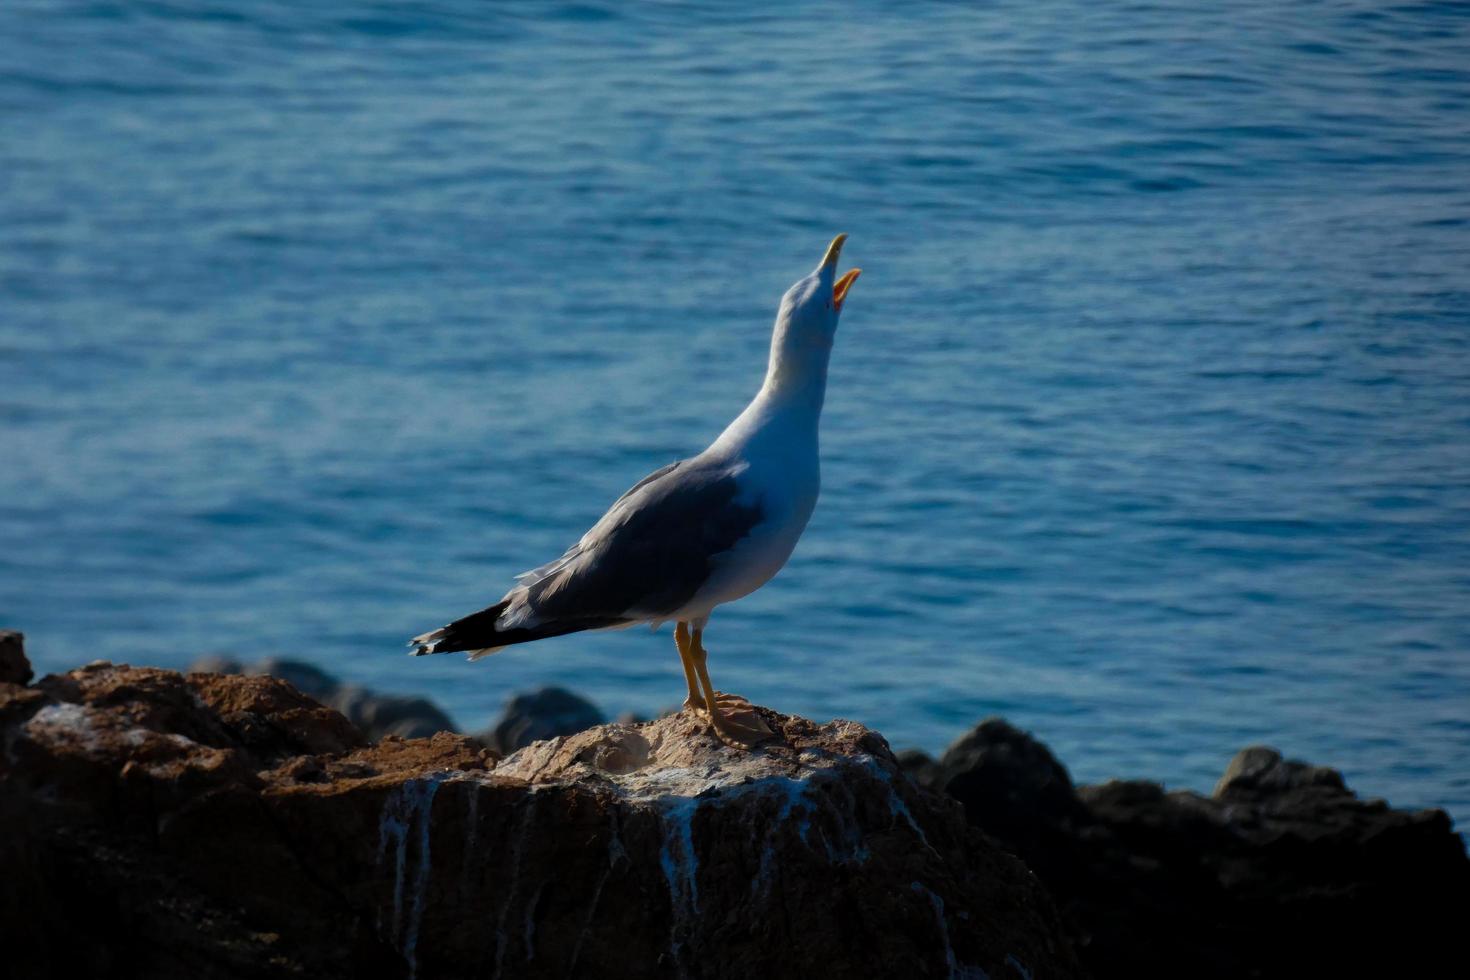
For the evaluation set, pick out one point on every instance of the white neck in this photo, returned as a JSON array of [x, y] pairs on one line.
[[789, 404], [798, 364]]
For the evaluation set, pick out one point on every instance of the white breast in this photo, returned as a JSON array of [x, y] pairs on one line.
[[787, 490], [772, 450]]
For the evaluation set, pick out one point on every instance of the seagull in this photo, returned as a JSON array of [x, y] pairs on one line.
[[697, 533]]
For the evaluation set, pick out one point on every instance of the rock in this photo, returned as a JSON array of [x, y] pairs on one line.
[[14, 667], [1258, 774], [375, 715], [921, 768], [997, 768], [263, 718], [1263, 879], [1013, 788], [541, 714], [379, 715], [216, 663], [307, 678], [809, 857], [210, 826]]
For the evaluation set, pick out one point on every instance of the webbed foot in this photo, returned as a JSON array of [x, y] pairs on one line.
[[737, 723]]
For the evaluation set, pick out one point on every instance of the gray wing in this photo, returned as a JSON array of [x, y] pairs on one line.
[[650, 553], [541, 571]]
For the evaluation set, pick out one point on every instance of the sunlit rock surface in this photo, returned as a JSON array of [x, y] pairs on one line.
[[161, 824], [373, 713]]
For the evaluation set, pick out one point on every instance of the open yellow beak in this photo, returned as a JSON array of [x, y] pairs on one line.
[[841, 286]]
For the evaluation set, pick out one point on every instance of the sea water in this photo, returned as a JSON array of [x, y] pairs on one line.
[[1147, 421]]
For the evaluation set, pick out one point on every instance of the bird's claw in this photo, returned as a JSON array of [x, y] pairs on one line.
[[737, 723]]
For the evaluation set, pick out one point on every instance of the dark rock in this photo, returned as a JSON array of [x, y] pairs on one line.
[[389, 714], [14, 667], [1284, 872], [307, 678], [1259, 774], [998, 768], [539, 715], [154, 827], [1013, 788], [921, 768], [215, 663], [18, 702]]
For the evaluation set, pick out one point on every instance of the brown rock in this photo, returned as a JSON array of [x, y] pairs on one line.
[[374, 714], [212, 826]]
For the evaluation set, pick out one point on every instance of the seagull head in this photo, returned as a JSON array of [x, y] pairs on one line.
[[810, 308], [806, 325]]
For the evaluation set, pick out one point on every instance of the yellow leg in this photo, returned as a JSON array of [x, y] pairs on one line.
[[746, 731], [681, 640]]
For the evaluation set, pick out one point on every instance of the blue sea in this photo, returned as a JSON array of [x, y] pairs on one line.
[[1148, 424]]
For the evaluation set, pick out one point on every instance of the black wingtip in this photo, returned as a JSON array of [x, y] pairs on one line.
[[427, 643]]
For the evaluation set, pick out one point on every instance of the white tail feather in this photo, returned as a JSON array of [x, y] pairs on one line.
[[481, 654]]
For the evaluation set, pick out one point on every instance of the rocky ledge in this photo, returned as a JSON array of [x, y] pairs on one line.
[[1283, 871], [159, 824]]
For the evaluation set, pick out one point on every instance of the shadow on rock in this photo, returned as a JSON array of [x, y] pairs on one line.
[[1281, 872]]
